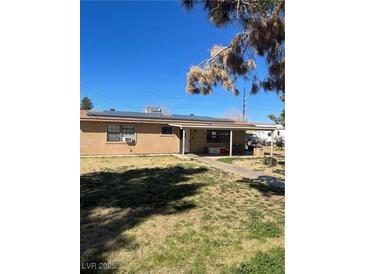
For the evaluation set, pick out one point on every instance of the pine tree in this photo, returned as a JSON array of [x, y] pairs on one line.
[[263, 34], [86, 103], [279, 120]]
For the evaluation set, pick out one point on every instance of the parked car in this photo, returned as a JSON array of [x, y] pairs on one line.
[[252, 141]]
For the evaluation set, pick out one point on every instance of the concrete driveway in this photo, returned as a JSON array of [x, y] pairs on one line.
[[256, 176]]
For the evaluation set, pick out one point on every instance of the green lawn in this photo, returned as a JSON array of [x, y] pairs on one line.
[[165, 215], [257, 164]]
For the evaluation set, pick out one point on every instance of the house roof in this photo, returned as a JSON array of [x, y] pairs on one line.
[[155, 115], [177, 120]]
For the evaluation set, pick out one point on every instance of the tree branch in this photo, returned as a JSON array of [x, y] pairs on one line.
[[214, 56], [207, 61], [280, 7], [214, 9], [238, 8]]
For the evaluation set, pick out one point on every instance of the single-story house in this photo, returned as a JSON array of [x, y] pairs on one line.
[[121, 132], [268, 136]]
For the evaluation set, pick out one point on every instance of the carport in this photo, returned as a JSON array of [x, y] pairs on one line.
[[232, 126]]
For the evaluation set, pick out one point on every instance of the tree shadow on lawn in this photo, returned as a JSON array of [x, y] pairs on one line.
[[267, 185], [113, 202]]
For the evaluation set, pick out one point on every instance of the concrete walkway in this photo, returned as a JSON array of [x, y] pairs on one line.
[[259, 177]]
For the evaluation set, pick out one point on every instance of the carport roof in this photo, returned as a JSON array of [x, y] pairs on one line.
[[229, 126]]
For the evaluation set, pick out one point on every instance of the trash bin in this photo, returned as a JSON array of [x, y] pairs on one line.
[[224, 151]]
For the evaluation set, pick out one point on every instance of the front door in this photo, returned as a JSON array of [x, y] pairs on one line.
[[187, 140]]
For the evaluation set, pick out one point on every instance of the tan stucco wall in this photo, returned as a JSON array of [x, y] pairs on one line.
[[93, 140], [199, 140]]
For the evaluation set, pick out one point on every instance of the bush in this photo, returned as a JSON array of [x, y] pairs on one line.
[[270, 262], [279, 141]]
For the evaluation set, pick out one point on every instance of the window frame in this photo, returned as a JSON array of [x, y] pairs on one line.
[[124, 127], [167, 134], [120, 132], [220, 138]]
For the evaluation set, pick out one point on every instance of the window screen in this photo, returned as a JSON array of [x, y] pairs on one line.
[[116, 133], [218, 136], [128, 131], [113, 134], [166, 130], [114, 128]]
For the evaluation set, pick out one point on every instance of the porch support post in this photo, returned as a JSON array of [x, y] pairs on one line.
[[230, 143], [272, 144], [183, 142]]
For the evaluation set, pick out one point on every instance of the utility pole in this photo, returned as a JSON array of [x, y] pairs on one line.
[[244, 117]]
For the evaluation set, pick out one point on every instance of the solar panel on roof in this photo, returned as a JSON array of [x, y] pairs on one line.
[[155, 115]]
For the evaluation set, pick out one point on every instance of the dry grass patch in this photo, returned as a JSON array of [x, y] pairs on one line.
[[93, 164], [257, 164], [279, 152], [166, 215]]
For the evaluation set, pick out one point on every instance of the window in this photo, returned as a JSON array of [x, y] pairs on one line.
[[218, 136], [117, 133], [269, 134], [278, 133], [128, 131], [166, 130], [113, 133]]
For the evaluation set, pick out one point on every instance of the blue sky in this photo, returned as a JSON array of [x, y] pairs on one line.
[[136, 53]]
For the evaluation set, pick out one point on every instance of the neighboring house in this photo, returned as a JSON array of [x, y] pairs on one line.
[[268, 135], [120, 132]]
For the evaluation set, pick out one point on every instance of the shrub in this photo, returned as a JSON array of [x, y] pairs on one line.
[[279, 141]]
